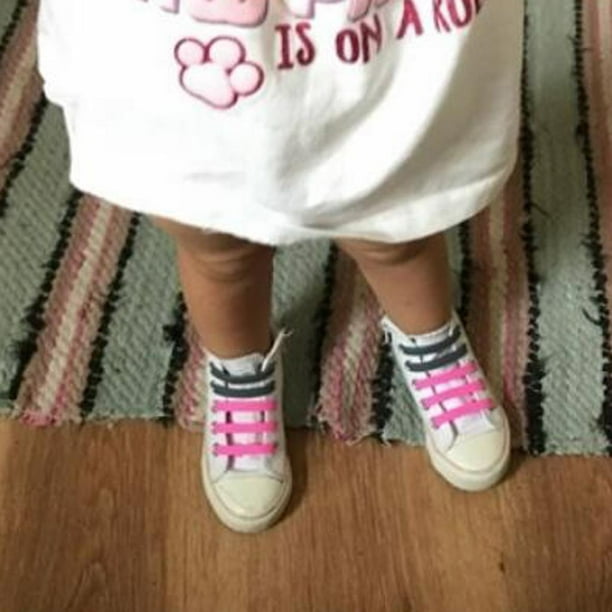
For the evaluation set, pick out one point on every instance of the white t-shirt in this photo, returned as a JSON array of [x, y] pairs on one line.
[[283, 120]]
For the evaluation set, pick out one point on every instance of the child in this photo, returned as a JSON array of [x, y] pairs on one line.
[[239, 125]]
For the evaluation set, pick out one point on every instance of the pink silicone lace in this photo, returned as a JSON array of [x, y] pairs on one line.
[[437, 379], [240, 450], [241, 428], [457, 373], [244, 406]]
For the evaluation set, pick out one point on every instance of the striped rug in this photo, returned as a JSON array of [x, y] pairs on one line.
[[93, 325]]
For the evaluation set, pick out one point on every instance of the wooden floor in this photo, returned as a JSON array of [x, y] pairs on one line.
[[98, 519]]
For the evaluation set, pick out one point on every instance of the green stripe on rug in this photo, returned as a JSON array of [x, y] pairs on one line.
[[570, 343], [28, 233], [7, 14], [136, 356]]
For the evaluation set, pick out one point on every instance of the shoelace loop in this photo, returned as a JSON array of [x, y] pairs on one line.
[[238, 399]]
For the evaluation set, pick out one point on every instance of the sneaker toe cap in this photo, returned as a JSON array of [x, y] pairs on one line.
[[250, 496], [480, 453]]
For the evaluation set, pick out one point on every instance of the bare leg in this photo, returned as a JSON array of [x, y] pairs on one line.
[[411, 280], [227, 284]]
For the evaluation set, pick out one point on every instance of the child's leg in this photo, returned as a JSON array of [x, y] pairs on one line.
[[227, 286], [411, 280], [466, 430]]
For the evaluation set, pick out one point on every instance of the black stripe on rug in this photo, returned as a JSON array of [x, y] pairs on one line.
[[34, 318], [321, 320], [534, 368], [593, 241], [18, 161], [382, 388], [11, 28], [95, 366], [174, 333]]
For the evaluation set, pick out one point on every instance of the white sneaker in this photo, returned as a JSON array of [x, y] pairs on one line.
[[467, 434], [245, 468]]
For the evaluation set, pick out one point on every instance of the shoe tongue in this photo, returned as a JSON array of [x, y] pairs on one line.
[[471, 423], [248, 364], [241, 366]]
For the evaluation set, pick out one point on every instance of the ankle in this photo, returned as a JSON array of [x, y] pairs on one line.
[[424, 327]]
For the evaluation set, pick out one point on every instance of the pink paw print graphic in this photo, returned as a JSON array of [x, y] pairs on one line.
[[217, 73]]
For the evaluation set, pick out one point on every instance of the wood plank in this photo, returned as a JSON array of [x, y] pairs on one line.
[[102, 519]]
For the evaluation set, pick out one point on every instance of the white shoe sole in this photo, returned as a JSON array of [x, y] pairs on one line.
[[239, 523], [472, 481]]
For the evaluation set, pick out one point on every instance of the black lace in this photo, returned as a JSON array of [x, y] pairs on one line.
[[444, 356], [230, 385]]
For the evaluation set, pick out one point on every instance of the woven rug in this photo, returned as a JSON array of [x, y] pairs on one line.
[[93, 325]]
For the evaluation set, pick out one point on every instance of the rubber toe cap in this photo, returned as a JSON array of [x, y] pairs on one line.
[[250, 496]]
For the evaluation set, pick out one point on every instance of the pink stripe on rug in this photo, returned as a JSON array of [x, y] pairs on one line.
[[190, 395], [491, 317], [19, 59], [15, 124], [20, 88], [330, 407], [68, 272], [12, 140], [340, 349], [55, 379], [361, 358], [16, 120], [350, 355], [87, 306], [516, 316], [598, 72]]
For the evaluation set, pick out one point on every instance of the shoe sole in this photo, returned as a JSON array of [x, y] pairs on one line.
[[470, 481], [241, 524]]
